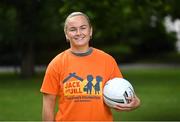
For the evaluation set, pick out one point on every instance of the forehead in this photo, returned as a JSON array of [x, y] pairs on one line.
[[78, 20]]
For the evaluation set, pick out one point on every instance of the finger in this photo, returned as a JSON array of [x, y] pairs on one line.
[[124, 105], [118, 108]]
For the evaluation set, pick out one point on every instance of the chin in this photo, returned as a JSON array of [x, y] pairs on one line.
[[81, 43]]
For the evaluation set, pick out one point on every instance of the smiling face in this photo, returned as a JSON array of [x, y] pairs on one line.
[[78, 31]]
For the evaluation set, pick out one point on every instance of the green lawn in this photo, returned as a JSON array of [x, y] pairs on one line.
[[159, 91], [20, 99]]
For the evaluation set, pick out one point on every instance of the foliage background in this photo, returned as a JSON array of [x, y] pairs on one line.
[[32, 34]]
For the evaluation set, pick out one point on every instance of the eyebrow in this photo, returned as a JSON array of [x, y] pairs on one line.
[[76, 27], [80, 26], [83, 26]]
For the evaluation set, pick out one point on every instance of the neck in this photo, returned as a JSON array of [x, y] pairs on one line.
[[88, 52], [80, 49]]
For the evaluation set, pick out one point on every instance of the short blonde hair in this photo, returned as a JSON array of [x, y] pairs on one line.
[[76, 14]]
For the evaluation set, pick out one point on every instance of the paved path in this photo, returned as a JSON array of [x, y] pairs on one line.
[[148, 66], [11, 69]]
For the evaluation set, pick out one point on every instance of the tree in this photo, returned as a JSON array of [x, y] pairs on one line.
[[135, 27], [26, 21], [125, 27]]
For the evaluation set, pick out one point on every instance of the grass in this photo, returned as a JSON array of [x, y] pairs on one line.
[[20, 98], [158, 90]]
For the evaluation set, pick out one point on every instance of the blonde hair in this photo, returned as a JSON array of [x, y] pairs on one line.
[[76, 14]]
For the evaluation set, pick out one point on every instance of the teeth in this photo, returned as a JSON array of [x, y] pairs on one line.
[[79, 38]]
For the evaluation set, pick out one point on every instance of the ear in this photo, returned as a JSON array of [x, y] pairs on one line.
[[67, 39], [91, 32], [66, 36]]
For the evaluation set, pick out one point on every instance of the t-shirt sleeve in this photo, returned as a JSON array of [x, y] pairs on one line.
[[51, 81], [115, 72]]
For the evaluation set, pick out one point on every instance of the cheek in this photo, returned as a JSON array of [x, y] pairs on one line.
[[87, 33], [69, 35]]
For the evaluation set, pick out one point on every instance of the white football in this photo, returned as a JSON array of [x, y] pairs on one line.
[[116, 90]]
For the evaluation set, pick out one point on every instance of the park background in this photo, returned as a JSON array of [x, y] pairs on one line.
[[142, 35]]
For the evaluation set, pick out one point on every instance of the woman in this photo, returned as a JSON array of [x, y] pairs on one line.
[[76, 78]]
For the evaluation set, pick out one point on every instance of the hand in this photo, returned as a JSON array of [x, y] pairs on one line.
[[133, 104]]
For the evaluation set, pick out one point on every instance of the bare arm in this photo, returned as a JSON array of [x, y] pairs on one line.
[[135, 103], [49, 102]]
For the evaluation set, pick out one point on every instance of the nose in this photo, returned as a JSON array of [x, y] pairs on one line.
[[78, 32]]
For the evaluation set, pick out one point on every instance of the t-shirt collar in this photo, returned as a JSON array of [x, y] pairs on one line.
[[88, 52]]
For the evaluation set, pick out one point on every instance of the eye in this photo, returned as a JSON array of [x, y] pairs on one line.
[[83, 27], [72, 29]]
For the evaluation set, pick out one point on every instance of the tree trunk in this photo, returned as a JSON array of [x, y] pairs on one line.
[[27, 65], [28, 13]]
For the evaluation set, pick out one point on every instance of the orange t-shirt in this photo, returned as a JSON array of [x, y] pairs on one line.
[[78, 80]]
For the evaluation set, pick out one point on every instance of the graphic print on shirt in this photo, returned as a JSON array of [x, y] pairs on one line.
[[74, 85]]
